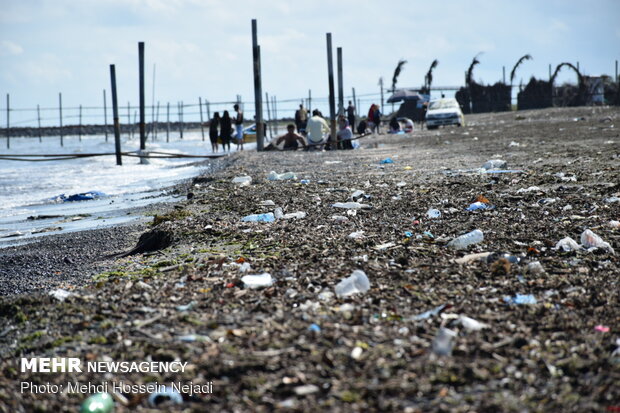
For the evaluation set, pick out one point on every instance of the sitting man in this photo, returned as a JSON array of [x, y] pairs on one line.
[[290, 139], [316, 128]]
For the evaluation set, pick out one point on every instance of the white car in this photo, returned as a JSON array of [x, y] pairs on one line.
[[445, 111]]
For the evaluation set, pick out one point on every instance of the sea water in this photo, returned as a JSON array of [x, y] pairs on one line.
[[32, 189]]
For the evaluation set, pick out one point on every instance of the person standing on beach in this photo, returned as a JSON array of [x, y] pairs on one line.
[[226, 130], [345, 134], [239, 126], [376, 119], [301, 118], [351, 115], [316, 128], [213, 135]]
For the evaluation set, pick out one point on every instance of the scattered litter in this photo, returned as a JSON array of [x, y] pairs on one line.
[[444, 341], [466, 259], [408, 234], [268, 217], [98, 403], [521, 299], [476, 206], [602, 328], [474, 237], [535, 267], [186, 307], [530, 189], [306, 389], [614, 224], [513, 144], [314, 328], [612, 199], [356, 353], [268, 202], [339, 219], [387, 160], [433, 213], [471, 324], [273, 176], [357, 194], [385, 246], [356, 235], [294, 215], [567, 244], [257, 280], [242, 180], [495, 164], [351, 205], [304, 181], [357, 282], [60, 294], [590, 240], [168, 394], [84, 196], [430, 313]]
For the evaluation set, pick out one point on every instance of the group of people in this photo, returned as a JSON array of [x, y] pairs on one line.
[[225, 132]]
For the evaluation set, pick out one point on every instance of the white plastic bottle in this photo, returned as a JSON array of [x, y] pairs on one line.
[[466, 240]]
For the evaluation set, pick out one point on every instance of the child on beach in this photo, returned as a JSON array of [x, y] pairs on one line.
[[290, 139]]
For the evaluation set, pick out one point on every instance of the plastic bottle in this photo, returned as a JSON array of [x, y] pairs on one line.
[[268, 217], [257, 280], [466, 240], [277, 213], [242, 180], [273, 176], [357, 282], [443, 342], [495, 164], [433, 213], [98, 403]]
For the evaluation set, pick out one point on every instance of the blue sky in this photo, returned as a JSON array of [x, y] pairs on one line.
[[203, 47]]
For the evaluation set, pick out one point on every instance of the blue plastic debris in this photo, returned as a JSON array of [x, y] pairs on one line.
[[427, 314], [429, 234], [408, 234], [387, 160], [521, 299], [315, 328], [84, 196], [305, 181], [477, 205]]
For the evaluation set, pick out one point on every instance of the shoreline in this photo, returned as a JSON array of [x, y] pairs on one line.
[[294, 344]]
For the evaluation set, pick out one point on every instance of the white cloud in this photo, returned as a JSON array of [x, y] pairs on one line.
[[8, 48]]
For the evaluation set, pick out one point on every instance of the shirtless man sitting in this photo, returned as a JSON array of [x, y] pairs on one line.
[[290, 139]]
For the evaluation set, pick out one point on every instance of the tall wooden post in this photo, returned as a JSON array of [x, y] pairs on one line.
[[202, 127], [270, 123], [39, 122], [208, 105], [156, 122], [105, 116], [340, 82], [274, 107], [309, 102], [332, 100], [258, 89], [60, 112], [129, 125], [117, 126], [504, 74], [355, 103], [381, 85], [142, 113], [181, 118], [550, 71], [168, 122], [8, 137], [80, 125]]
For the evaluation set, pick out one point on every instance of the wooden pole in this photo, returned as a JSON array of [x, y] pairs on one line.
[[181, 118], [275, 115], [617, 80], [39, 122], [340, 84], [309, 102], [80, 125], [355, 103], [60, 112], [117, 126], [381, 84], [8, 138], [202, 127], [156, 123], [142, 114], [129, 126], [332, 101], [208, 105], [153, 107], [504, 74], [168, 122], [269, 124], [258, 90], [105, 116]]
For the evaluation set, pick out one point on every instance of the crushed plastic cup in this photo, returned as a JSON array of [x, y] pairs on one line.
[[98, 403], [535, 267], [444, 342], [351, 205], [257, 280], [433, 213], [268, 217], [567, 244], [357, 282], [294, 215], [60, 294], [357, 194], [273, 176], [356, 235], [590, 240], [495, 164], [277, 213], [168, 394], [242, 180], [471, 324], [474, 237], [614, 224]]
